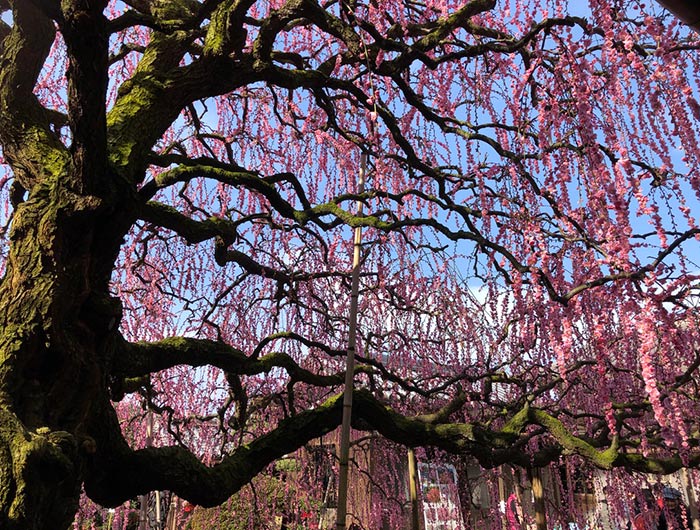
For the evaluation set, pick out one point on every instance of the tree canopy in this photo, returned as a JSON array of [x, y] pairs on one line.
[[180, 179]]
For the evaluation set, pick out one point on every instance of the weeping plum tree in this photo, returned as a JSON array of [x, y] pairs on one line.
[[179, 189]]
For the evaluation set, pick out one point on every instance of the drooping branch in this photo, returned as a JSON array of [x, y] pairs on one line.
[[125, 473], [139, 359], [237, 177], [158, 79], [193, 231], [149, 102]]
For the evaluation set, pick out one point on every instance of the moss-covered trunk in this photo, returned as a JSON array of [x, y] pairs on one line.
[[56, 321], [56, 316]]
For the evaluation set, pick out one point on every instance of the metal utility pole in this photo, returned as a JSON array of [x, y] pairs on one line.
[[350, 362]]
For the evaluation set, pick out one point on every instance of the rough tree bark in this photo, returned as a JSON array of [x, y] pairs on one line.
[[57, 320]]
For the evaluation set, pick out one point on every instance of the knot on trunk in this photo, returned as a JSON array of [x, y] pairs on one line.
[[64, 441], [39, 476]]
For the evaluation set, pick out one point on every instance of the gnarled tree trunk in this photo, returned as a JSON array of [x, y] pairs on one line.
[[56, 316], [56, 323]]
